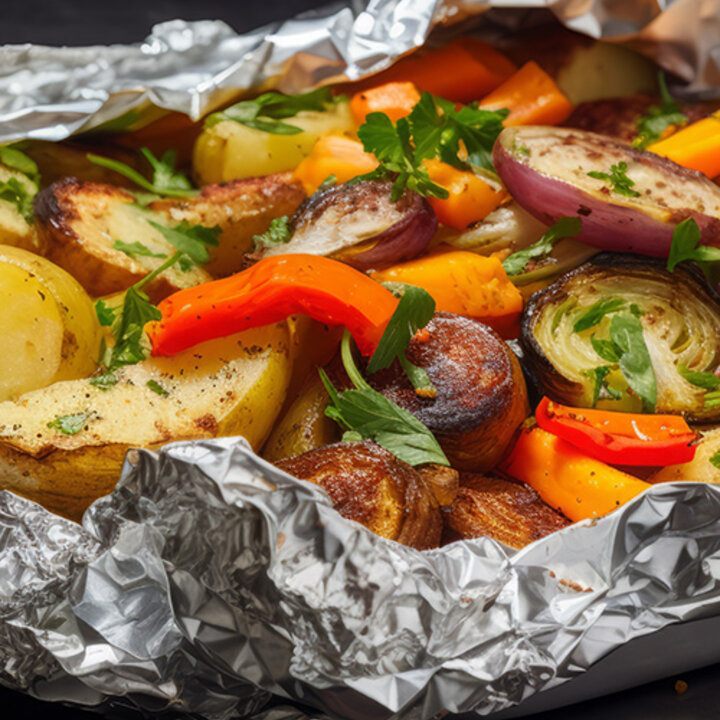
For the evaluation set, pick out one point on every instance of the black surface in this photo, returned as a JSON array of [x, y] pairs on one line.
[[90, 22]]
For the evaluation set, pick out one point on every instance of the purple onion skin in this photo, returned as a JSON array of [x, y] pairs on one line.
[[405, 240], [605, 224]]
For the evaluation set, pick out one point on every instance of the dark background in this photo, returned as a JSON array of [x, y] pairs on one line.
[[101, 22]]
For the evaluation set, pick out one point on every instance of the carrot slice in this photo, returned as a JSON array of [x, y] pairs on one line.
[[532, 97], [334, 155], [395, 99], [470, 199], [696, 147]]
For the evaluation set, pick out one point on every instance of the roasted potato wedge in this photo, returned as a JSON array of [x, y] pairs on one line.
[[700, 468], [368, 484], [241, 209], [63, 446], [48, 324], [15, 228], [79, 223], [507, 511], [229, 150]]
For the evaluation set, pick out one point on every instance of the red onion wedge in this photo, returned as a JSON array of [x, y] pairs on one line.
[[359, 225], [546, 171]]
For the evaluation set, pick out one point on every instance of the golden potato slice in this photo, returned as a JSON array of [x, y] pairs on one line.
[[229, 150], [48, 324], [79, 223], [700, 468], [14, 228], [63, 446], [242, 209]]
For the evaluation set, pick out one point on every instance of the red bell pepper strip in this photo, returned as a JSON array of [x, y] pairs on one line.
[[270, 291], [620, 438]]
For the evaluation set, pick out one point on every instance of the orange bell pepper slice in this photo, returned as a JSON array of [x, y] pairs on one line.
[[334, 155], [532, 97], [470, 197], [270, 291], [464, 283], [395, 99], [696, 147], [579, 486]]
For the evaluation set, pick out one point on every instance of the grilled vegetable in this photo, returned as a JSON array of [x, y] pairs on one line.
[[574, 335], [629, 200], [368, 484], [64, 445], [505, 510], [480, 398], [360, 225], [704, 467], [48, 324]]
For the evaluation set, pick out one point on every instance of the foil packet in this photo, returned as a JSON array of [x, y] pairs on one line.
[[210, 582]]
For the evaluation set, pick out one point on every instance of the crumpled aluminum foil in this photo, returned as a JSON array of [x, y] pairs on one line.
[[210, 580], [193, 67]]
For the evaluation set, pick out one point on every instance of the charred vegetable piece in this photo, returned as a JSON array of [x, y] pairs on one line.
[[505, 510], [368, 484], [704, 467], [480, 398], [360, 225], [629, 200], [623, 333], [620, 438]]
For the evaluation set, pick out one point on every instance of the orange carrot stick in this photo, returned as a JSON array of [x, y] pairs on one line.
[[395, 99], [532, 97], [574, 483], [696, 147]]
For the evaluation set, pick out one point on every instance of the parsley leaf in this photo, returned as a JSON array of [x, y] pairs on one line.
[[105, 314], [278, 233], [136, 249], [606, 349], [104, 381], [392, 147], [658, 119], [414, 311], [13, 191], [618, 179], [715, 460], [565, 227], [13, 158], [166, 180], [191, 240], [366, 413], [706, 380], [266, 111], [596, 312], [157, 388], [69, 424], [686, 246], [597, 375], [626, 332]]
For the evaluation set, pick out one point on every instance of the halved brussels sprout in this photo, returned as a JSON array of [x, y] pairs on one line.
[[622, 333]]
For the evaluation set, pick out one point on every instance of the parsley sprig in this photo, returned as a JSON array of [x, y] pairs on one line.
[[686, 247], [564, 228], [267, 111], [618, 179], [659, 118], [127, 322], [366, 413], [12, 157], [278, 233], [166, 180], [15, 192]]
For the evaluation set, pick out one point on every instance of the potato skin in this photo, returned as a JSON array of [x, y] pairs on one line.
[[241, 208], [505, 510], [481, 395], [78, 223], [368, 484], [228, 386]]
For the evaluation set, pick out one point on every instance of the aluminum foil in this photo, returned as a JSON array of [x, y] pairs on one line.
[[209, 581], [194, 67]]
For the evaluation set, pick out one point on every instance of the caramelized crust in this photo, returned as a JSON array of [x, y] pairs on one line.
[[481, 395], [505, 510], [368, 484]]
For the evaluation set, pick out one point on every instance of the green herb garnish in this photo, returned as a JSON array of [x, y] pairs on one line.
[[157, 388], [166, 181], [626, 332], [191, 240], [267, 111], [706, 380], [15, 192], [596, 312], [565, 227], [136, 249], [600, 385], [104, 381], [414, 311], [618, 179], [278, 233], [715, 460], [658, 119], [12, 157], [686, 246], [365, 413], [69, 424]]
